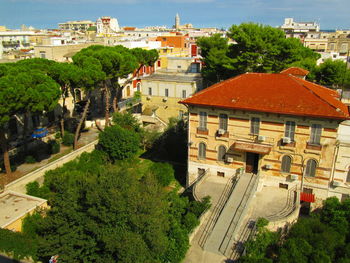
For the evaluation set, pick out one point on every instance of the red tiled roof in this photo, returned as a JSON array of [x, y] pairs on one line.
[[295, 71], [275, 93]]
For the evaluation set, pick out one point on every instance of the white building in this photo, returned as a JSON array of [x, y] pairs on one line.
[[107, 25], [299, 29]]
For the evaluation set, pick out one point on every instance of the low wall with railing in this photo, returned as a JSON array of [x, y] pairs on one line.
[[288, 217], [19, 185]]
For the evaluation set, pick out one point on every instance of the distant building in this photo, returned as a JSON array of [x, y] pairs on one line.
[[339, 42], [177, 22], [60, 53], [82, 25], [107, 25], [299, 29], [162, 90]]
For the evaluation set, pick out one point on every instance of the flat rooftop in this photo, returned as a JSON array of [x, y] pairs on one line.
[[14, 205]]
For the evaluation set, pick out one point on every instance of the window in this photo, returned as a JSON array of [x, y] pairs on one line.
[[202, 151], [150, 91], [290, 130], [220, 174], [254, 125], [138, 87], [203, 120], [221, 153], [166, 92], [286, 163], [315, 136], [195, 68], [223, 121], [310, 168], [42, 54], [183, 93], [348, 177]]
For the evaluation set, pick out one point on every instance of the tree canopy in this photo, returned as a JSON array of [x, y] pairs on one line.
[[255, 48]]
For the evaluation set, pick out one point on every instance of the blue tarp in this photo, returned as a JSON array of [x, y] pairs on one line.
[[40, 133]]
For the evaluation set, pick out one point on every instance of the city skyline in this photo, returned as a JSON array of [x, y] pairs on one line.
[[200, 13]]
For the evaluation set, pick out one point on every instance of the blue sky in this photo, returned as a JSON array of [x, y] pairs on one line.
[[331, 14]]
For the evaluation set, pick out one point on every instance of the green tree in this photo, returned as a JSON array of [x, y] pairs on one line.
[[10, 96], [333, 73], [256, 48], [67, 75], [119, 143], [91, 77]]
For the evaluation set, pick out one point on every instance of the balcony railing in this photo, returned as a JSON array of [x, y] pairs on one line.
[[128, 103]]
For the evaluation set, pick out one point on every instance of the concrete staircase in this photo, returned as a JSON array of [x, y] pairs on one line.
[[221, 238]]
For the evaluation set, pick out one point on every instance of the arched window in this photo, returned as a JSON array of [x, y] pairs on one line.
[[311, 168], [221, 153], [202, 151], [286, 163]]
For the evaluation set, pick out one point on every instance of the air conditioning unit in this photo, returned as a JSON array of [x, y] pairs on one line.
[[229, 160], [268, 166], [221, 131], [165, 99], [261, 138], [294, 177], [336, 183], [286, 140]]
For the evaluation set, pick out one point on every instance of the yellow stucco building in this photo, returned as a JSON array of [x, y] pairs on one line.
[[277, 126]]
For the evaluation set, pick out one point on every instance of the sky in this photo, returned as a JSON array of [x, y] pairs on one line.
[[331, 14]]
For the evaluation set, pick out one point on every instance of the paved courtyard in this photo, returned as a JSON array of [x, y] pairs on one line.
[[267, 202]]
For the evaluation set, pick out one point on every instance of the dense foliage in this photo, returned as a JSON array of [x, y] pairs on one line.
[[255, 48], [323, 237], [119, 143], [102, 212]]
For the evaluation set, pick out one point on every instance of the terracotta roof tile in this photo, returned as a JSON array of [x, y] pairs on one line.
[[275, 93], [295, 71]]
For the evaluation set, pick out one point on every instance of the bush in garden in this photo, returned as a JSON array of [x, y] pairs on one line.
[[68, 138], [30, 159], [119, 143]]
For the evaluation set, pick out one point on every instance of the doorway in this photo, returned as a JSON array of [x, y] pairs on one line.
[[252, 163]]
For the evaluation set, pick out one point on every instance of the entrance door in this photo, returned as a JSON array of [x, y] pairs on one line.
[[252, 162]]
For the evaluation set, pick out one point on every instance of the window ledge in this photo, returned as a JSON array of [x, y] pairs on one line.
[[312, 146], [202, 131]]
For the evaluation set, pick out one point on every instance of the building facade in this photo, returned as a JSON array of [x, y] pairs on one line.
[[276, 125]]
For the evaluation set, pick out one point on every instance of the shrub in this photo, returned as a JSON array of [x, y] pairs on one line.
[[198, 208], [54, 147], [58, 135], [119, 143], [164, 173], [30, 159], [190, 221], [68, 138], [34, 189]]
